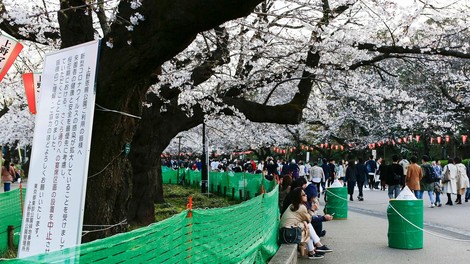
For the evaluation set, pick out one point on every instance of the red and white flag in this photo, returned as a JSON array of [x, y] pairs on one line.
[[9, 50]]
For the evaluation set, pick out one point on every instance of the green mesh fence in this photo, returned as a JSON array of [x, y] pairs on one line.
[[244, 233], [170, 176], [240, 186], [10, 215]]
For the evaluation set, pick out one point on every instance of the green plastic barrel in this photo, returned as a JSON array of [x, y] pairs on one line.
[[402, 234], [337, 202]]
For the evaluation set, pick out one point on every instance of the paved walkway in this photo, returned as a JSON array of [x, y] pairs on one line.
[[362, 238], [13, 186]]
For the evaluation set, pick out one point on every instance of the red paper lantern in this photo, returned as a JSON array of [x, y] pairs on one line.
[[342, 147], [11, 48], [321, 145], [417, 138], [464, 139], [439, 139], [432, 140], [405, 139], [326, 145], [31, 83], [447, 138]]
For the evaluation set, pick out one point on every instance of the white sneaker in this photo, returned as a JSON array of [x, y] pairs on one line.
[[431, 206]]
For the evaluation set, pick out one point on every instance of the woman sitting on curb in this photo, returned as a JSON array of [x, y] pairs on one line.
[[297, 216]]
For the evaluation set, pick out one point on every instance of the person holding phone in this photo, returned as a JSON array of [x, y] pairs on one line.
[[313, 204]]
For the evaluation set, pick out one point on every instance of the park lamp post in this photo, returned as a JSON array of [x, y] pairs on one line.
[[178, 160], [204, 160]]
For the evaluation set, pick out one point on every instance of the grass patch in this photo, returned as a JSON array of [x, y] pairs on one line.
[[8, 254], [176, 198]]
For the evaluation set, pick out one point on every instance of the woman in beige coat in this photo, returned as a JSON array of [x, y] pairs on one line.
[[414, 174], [450, 187], [461, 180], [297, 216]]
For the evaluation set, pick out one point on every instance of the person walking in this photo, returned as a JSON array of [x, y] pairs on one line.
[[394, 178], [449, 185], [351, 178], [361, 177], [339, 170], [7, 175], [317, 176], [384, 171], [332, 175], [294, 170], [436, 165], [371, 166], [462, 179], [467, 194], [302, 170], [414, 174], [404, 163], [426, 183], [326, 171]]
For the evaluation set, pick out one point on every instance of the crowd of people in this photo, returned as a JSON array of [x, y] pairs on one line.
[[301, 186], [374, 173]]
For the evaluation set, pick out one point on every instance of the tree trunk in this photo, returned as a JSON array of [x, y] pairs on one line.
[[109, 186], [152, 137]]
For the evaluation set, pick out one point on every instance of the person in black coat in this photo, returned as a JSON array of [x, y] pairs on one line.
[[361, 177], [394, 178], [351, 178]]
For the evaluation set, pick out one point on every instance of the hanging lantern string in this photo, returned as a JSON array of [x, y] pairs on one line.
[[115, 111]]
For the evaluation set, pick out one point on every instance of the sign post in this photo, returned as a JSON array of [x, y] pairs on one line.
[[55, 198]]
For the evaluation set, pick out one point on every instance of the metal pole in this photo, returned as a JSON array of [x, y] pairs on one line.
[[204, 161], [178, 160]]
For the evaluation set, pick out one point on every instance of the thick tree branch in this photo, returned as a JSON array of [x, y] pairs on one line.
[[413, 50], [100, 13], [289, 113], [76, 24]]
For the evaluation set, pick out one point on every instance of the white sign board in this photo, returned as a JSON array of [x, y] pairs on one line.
[[53, 211]]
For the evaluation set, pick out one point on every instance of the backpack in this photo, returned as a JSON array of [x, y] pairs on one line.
[[368, 167], [431, 175]]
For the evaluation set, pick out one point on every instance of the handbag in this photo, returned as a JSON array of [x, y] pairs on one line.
[[446, 177], [292, 235]]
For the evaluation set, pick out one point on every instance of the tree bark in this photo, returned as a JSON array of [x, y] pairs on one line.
[[150, 139]]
